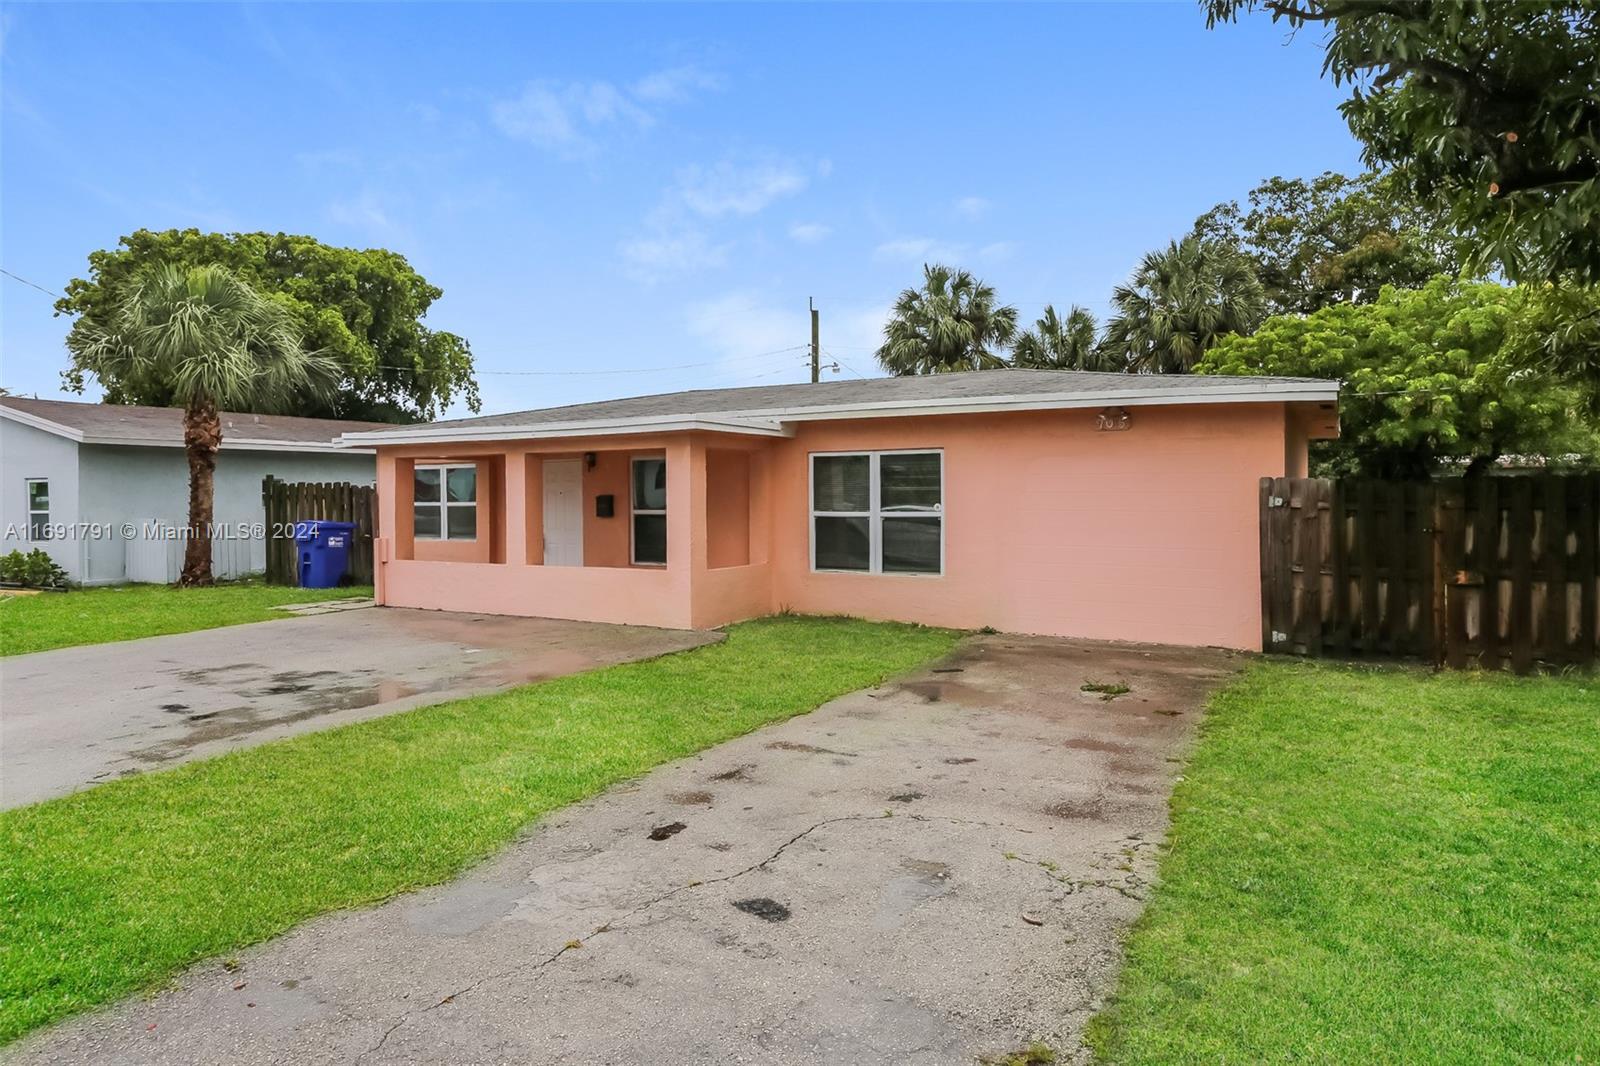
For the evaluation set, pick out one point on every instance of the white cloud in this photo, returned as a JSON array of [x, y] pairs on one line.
[[567, 117], [675, 239], [741, 326], [918, 250], [365, 212], [972, 207], [998, 251], [563, 118], [669, 251], [675, 84], [761, 342], [730, 188], [809, 232]]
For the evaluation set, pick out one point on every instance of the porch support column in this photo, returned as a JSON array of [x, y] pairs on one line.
[[395, 485], [686, 518], [516, 516]]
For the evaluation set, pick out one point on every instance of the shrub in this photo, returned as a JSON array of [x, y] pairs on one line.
[[33, 570]]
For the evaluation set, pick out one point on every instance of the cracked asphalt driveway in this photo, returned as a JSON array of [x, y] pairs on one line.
[[926, 872]]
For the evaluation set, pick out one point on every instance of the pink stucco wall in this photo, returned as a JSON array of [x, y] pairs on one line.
[[1051, 526]]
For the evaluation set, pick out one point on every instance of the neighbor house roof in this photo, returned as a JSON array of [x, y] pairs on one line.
[[771, 410], [106, 423]]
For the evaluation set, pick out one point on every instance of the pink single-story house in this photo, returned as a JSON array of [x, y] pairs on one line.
[[1110, 506]]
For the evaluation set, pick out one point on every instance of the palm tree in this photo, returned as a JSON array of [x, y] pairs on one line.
[[1180, 302], [951, 323], [1054, 344], [218, 344]]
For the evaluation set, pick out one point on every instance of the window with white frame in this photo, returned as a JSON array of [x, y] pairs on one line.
[[445, 502], [38, 508], [878, 512], [649, 479]]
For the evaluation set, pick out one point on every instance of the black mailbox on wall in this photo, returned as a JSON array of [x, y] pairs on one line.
[[605, 505]]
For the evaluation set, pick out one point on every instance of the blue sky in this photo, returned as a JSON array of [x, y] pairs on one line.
[[631, 188]]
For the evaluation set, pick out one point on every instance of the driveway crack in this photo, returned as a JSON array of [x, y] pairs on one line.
[[464, 990], [614, 923]]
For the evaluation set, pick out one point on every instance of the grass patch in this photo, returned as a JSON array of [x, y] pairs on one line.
[[112, 889], [1376, 866], [1037, 1053], [127, 612], [1108, 690]]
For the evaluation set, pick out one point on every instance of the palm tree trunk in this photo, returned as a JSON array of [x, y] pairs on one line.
[[202, 436]]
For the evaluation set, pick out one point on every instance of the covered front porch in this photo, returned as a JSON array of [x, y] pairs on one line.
[[666, 529]]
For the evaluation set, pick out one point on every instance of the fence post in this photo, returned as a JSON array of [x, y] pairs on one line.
[[1588, 568]]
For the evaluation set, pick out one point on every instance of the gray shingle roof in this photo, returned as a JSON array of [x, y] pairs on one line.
[[770, 400], [164, 425]]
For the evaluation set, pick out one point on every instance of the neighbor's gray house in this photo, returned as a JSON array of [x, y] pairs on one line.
[[76, 477]]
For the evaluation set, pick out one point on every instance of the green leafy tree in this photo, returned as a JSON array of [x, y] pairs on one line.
[[1562, 337], [1488, 108], [1180, 301], [209, 341], [363, 310], [1333, 239], [951, 323], [1431, 376], [1055, 343]]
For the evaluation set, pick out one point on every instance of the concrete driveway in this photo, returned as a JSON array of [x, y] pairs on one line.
[[74, 717], [922, 873]]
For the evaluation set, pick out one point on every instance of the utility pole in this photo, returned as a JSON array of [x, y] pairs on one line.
[[816, 349]]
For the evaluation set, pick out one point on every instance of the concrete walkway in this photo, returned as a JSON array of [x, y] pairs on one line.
[[74, 717], [919, 874]]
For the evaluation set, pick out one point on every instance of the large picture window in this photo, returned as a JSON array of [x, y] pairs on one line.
[[878, 512], [445, 503], [38, 509], [649, 512]]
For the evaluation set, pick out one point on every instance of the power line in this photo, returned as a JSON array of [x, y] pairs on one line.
[[30, 284], [844, 364]]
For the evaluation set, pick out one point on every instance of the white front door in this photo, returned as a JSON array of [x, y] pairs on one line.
[[563, 512]]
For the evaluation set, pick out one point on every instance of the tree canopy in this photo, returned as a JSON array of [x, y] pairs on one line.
[[212, 342], [1430, 376], [1181, 300], [1056, 343], [1333, 239], [1487, 108], [953, 322], [362, 310]]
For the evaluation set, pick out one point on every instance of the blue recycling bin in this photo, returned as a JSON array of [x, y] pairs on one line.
[[324, 552]]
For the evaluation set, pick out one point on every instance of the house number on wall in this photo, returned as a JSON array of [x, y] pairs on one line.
[[1113, 419]]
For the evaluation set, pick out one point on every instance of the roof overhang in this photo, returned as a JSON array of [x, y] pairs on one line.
[[1268, 392], [606, 427], [780, 422], [229, 443]]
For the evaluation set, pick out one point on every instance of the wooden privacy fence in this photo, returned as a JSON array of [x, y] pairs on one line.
[[1498, 572], [288, 502]]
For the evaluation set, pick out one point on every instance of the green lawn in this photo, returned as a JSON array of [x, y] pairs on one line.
[[112, 889], [1376, 866], [127, 612]]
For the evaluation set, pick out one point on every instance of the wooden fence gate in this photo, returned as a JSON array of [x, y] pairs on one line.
[[288, 502], [1498, 572]]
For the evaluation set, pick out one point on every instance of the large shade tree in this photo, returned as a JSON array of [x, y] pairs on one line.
[[1487, 108], [1056, 343], [1180, 301], [1432, 378], [953, 322], [208, 341], [1333, 239], [364, 309]]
